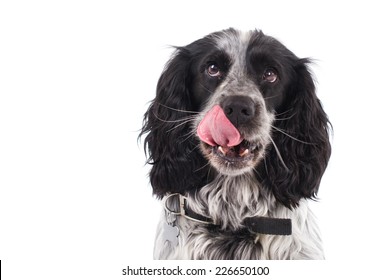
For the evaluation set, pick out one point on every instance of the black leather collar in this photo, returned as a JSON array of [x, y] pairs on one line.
[[259, 224], [267, 225]]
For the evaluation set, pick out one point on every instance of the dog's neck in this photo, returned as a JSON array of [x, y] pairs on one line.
[[229, 200]]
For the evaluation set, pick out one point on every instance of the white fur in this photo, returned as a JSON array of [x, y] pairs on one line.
[[228, 201]]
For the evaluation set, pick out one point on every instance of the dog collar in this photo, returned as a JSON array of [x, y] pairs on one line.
[[259, 224], [184, 210]]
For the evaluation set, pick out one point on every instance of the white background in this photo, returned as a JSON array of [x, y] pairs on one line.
[[75, 80]]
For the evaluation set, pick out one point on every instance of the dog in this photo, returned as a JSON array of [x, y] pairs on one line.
[[238, 141]]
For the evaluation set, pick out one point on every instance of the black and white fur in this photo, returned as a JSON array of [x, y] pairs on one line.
[[276, 110]]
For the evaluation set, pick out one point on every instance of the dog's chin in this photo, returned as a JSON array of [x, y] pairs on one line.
[[234, 161]]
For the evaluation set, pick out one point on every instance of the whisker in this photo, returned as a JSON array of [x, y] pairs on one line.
[[187, 136], [273, 96], [195, 147], [178, 110], [174, 121], [265, 165], [257, 172], [284, 119], [279, 155], [200, 168], [292, 137], [209, 173], [180, 124], [285, 112], [209, 91]]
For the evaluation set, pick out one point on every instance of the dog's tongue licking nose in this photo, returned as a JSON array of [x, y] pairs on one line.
[[216, 130]]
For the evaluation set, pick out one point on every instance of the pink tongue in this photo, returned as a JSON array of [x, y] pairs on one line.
[[216, 129]]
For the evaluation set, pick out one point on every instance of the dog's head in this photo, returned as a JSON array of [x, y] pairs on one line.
[[234, 103]]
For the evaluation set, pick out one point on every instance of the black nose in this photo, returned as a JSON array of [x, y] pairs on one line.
[[238, 109]]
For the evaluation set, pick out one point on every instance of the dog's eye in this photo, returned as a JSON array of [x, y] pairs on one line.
[[213, 70], [270, 75]]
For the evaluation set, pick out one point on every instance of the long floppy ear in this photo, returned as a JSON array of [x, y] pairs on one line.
[[177, 165], [294, 168]]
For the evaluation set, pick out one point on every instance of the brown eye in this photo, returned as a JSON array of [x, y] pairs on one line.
[[213, 70], [270, 76]]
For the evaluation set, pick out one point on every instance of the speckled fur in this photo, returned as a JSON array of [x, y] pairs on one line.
[[288, 134]]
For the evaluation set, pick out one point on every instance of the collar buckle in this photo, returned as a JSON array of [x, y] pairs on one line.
[[182, 209]]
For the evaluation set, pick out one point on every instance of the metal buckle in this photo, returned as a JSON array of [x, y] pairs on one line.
[[181, 211], [182, 199], [170, 210]]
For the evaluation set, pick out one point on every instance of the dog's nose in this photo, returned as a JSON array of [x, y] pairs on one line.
[[238, 109]]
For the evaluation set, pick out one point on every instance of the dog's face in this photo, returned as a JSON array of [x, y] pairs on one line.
[[246, 75], [235, 103]]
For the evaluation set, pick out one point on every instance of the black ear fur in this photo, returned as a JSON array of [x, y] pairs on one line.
[[304, 158], [177, 164]]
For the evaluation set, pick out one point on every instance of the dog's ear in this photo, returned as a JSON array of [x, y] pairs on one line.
[[294, 168], [177, 165]]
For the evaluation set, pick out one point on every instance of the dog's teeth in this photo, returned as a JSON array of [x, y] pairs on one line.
[[244, 153], [222, 150]]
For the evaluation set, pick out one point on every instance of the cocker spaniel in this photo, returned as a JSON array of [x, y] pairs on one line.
[[237, 142]]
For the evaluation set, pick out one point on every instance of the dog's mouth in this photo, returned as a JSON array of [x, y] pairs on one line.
[[242, 152], [233, 160], [225, 146]]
